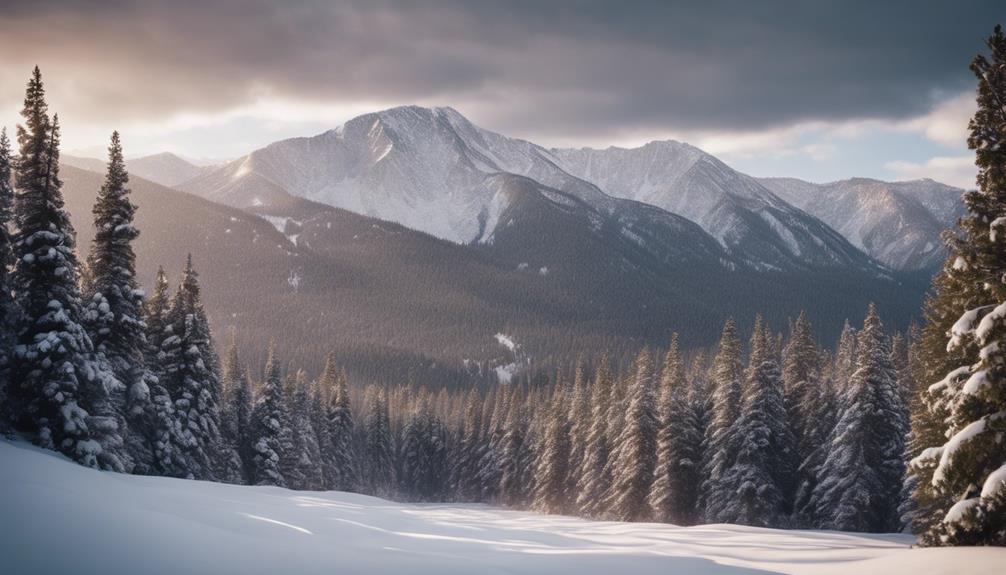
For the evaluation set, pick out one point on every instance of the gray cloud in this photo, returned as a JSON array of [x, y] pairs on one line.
[[568, 68]]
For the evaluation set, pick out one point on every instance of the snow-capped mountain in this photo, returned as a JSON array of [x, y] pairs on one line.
[[898, 223], [433, 170], [743, 215]]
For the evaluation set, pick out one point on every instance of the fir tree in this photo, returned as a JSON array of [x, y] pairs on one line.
[[306, 467], [679, 446], [235, 417], [595, 476], [189, 371], [270, 428], [718, 448], [468, 453], [579, 423], [860, 483], [635, 448], [551, 494], [516, 456], [62, 392], [379, 457], [340, 460], [761, 474], [423, 453], [804, 393], [8, 309], [114, 311], [969, 466]]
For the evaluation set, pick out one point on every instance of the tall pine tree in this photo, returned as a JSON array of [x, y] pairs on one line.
[[635, 447]]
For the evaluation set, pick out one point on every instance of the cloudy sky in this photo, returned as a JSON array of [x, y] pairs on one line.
[[820, 90]]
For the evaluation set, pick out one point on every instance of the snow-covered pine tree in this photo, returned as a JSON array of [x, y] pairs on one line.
[[860, 483], [8, 308], [595, 476], [189, 371], [340, 461], [761, 476], [236, 410], [113, 312], [515, 456], [270, 427], [423, 453], [155, 316], [635, 451], [679, 446], [468, 453], [845, 358], [579, 423], [306, 464], [718, 448], [62, 391], [970, 465], [379, 456], [489, 471], [804, 391], [551, 493]]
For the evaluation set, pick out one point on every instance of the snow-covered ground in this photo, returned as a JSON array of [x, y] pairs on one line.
[[58, 517]]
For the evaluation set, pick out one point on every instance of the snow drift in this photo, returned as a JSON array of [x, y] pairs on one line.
[[62, 518]]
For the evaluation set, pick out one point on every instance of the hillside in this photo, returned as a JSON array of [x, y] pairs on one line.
[[133, 524], [397, 304]]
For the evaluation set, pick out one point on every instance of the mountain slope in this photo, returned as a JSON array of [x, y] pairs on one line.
[[898, 223], [165, 168]]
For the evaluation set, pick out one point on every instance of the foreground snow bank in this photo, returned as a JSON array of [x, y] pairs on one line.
[[58, 517]]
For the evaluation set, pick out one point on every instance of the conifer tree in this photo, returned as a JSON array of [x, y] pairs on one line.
[[379, 459], [635, 447], [860, 483], [340, 461], [114, 311], [62, 392], [969, 466], [270, 428], [189, 370], [718, 449], [306, 464], [804, 393], [679, 446], [595, 477], [579, 423], [8, 308], [516, 456], [235, 418], [761, 474], [465, 471], [423, 453], [551, 494]]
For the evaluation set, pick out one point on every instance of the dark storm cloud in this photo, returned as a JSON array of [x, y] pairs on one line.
[[572, 68]]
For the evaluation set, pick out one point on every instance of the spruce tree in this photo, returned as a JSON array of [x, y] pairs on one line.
[[8, 309], [189, 371], [635, 447], [551, 493], [379, 456], [236, 410], [114, 311], [515, 457], [340, 461], [306, 467], [860, 483], [62, 392], [679, 446], [270, 428], [595, 476], [761, 475], [465, 471], [969, 466], [579, 423], [804, 393], [718, 448], [423, 453]]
